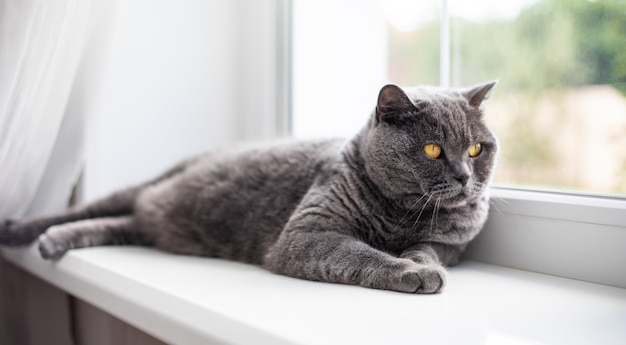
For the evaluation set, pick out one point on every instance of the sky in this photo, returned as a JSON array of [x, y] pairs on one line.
[[407, 15]]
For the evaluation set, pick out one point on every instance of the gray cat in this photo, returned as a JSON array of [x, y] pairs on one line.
[[388, 209]]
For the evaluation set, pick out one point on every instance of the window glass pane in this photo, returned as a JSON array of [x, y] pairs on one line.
[[341, 59], [413, 41], [339, 64], [560, 107]]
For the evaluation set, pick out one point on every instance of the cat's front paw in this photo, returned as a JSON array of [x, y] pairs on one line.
[[423, 279], [51, 248]]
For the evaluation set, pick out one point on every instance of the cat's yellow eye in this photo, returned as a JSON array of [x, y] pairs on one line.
[[432, 150], [475, 149]]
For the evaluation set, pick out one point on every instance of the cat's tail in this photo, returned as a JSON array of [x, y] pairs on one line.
[[21, 232]]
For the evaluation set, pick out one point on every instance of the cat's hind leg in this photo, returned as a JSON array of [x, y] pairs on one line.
[[89, 233], [19, 232], [15, 233]]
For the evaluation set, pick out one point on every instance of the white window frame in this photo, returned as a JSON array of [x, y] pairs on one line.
[[573, 235]]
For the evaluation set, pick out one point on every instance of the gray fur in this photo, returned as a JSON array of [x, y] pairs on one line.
[[373, 211]]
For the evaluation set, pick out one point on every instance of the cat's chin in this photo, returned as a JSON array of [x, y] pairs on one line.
[[455, 202], [456, 197], [462, 198]]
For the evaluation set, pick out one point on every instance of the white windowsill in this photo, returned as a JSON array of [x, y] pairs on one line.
[[189, 300], [574, 236]]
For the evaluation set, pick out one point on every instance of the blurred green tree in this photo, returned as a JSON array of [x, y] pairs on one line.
[[586, 41], [551, 44], [550, 47]]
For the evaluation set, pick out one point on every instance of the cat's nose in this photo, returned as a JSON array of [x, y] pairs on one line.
[[462, 179], [461, 173]]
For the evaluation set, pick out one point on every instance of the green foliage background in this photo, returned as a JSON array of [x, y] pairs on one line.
[[551, 45]]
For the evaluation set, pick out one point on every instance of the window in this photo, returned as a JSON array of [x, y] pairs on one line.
[[559, 109]]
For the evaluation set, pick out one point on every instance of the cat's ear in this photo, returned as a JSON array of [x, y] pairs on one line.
[[392, 102], [478, 93]]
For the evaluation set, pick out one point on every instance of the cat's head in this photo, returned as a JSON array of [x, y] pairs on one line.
[[430, 141]]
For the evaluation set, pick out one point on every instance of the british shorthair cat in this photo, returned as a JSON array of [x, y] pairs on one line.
[[389, 208]]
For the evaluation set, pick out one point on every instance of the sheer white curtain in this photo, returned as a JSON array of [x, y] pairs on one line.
[[41, 43], [152, 81]]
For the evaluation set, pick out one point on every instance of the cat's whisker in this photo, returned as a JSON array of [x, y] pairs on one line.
[[493, 202], [435, 214], [402, 220], [422, 210], [502, 200]]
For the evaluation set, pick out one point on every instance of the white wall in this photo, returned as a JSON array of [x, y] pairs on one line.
[[164, 79]]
